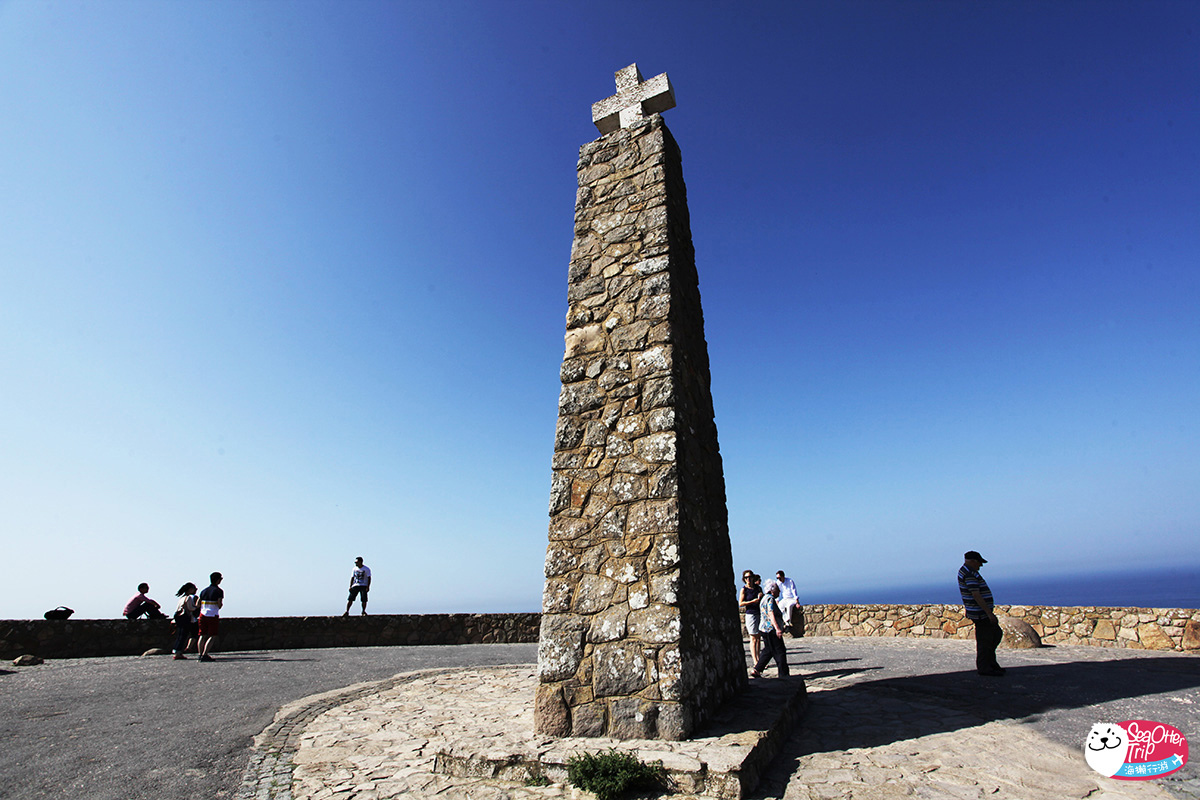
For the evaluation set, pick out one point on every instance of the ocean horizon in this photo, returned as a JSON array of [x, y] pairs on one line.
[[1162, 587]]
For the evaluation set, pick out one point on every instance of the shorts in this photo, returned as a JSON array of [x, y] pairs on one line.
[[752, 625], [210, 626], [355, 591]]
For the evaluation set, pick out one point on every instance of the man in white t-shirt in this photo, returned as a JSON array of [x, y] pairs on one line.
[[789, 598], [212, 600], [360, 582]]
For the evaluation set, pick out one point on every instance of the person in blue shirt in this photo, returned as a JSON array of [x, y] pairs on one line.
[[978, 606], [770, 623]]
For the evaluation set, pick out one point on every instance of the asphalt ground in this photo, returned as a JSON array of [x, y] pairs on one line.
[[152, 728], [133, 728]]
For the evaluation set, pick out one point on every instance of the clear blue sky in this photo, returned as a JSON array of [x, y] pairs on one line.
[[285, 283]]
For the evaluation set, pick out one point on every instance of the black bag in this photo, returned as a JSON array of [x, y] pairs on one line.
[[62, 612]]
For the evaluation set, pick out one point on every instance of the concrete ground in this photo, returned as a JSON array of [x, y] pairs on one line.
[[151, 728], [887, 718]]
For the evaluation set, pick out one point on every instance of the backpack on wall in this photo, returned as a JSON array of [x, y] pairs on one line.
[[62, 612]]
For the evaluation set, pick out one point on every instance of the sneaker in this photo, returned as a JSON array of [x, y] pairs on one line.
[[180, 657], [346, 614], [364, 613], [207, 657]]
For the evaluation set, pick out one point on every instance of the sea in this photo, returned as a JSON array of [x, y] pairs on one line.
[[1164, 587]]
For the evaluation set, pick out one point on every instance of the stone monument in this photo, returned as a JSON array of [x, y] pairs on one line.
[[640, 633]]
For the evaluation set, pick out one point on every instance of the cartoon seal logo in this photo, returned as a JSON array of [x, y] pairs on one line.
[[1135, 750], [1105, 748]]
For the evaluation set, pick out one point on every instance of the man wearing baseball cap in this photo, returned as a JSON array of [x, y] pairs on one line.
[[977, 601]]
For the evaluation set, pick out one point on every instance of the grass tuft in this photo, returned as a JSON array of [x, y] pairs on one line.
[[611, 774]]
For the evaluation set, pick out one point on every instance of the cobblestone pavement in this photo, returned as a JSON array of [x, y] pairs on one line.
[[386, 744], [887, 719]]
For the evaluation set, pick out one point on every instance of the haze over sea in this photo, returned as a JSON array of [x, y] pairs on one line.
[[1168, 587]]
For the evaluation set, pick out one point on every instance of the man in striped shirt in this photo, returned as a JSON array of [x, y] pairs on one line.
[[977, 602]]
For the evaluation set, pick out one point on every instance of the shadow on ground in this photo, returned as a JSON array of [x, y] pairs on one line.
[[1023, 694], [863, 711], [866, 712], [256, 657]]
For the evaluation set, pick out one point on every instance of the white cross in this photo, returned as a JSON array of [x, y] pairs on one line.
[[634, 100]]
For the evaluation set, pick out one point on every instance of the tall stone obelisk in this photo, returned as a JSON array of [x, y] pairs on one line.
[[640, 632]]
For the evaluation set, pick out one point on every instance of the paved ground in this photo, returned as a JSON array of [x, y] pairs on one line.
[[887, 718], [909, 717], [448, 735], [134, 728]]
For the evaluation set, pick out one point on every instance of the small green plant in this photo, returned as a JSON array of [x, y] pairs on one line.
[[609, 775], [537, 778]]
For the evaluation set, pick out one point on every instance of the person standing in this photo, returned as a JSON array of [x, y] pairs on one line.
[[140, 604], [771, 624], [789, 598], [360, 583], [211, 601], [748, 599], [186, 626], [979, 608]]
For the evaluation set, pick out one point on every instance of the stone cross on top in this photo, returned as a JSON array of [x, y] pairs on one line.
[[634, 100]]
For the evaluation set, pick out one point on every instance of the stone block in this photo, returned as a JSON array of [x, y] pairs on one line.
[[674, 722], [1104, 630], [1152, 637], [631, 718], [560, 646], [587, 720], [1191, 635], [609, 625], [659, 624], [1019, 634], [554, 718], [619, 669]]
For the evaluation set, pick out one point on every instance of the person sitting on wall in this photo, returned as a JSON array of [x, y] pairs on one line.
[[140, 604], [789, 598]]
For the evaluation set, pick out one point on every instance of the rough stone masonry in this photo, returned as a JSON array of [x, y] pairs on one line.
[[640, 633]]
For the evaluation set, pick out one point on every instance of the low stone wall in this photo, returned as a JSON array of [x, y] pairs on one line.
[[80, 638], [1137, 628]]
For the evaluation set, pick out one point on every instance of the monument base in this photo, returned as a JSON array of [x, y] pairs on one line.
[[725, 761]]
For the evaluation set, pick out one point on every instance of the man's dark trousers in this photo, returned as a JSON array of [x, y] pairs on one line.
[[149, 609], [987, 638], [773, 647]]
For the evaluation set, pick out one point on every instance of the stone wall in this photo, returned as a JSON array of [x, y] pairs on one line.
[[640, 637], [80, 638], [1138, 628]]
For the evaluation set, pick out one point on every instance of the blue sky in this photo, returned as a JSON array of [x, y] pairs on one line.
[[285, 283]]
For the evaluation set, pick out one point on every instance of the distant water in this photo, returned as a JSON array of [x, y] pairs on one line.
[[1174, 587]]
